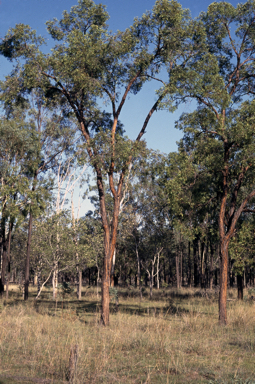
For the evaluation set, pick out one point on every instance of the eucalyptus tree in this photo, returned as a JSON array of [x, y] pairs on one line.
[[89, 65], [222, 83]]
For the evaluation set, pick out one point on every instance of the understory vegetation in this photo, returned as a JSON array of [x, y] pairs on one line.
[[174, 338]]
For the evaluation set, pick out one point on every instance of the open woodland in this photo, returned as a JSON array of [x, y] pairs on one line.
[[156, 283]]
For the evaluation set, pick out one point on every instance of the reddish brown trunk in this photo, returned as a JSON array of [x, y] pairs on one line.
[[223, 282], [105, 309], [106, 281], [110, 237]]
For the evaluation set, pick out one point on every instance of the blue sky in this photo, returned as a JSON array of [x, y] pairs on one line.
[[161, 134]]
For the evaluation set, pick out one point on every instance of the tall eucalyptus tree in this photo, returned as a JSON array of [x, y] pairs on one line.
[[88, 65], [222, 126]]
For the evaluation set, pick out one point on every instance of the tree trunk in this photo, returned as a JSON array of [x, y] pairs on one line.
[[9, 260], [211, 268], [55, 281], [177, 261], [79, 285], [3, 255], [105, 310], [202, 267], [29, 237], [189, 267], [195, 260], [158, 270], [3, 267], [38, 282], [181, 267], [223, 282], [240, 287]]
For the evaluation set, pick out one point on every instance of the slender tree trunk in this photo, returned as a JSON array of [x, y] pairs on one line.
[[151, 279], [202, 267], [150, 283], [177, 262], [195, 260], [181, 266], [3, 269], [189, 267], [105, 310], [54, 285], [79, 285], [240, 287], [223, 282], [38, 281], [9, 260], [158, 270], [211, 267], [75, 241], [29, 237], [3, 255], [55, 280]]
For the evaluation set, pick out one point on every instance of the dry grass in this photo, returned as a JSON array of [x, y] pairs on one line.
[[174, 339]]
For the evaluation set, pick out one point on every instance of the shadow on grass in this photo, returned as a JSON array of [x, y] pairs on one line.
[[167, 301], [151, 310], [92, 307]]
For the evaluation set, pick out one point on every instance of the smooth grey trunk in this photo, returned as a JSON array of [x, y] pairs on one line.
[[157, 274], [79, 284], [39, 286], [151, 275], [55, 281]]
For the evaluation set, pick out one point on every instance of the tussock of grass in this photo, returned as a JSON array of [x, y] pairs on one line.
[[175, 339]]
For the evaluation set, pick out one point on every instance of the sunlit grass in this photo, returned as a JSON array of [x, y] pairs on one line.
[[172, 339]]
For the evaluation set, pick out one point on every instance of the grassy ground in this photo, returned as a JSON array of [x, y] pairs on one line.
[[173, 339]]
